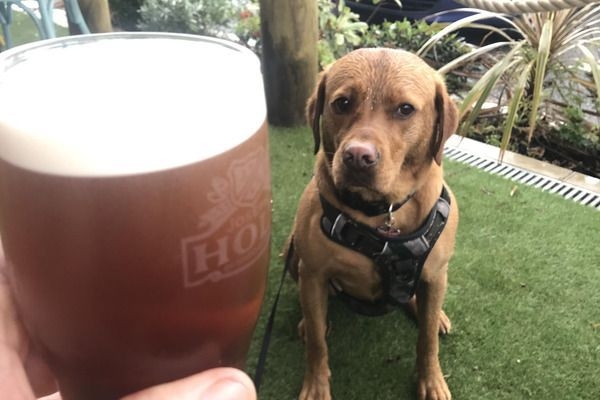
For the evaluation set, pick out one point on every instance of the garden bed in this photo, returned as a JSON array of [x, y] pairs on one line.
[[548, 144]]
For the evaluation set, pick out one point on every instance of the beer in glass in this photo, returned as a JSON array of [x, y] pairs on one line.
[[134, 205]]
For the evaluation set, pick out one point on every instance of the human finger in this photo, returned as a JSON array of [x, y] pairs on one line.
[[214, 384]]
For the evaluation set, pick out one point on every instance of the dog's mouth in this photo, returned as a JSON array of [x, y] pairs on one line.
[[368, 201], [358, 189], [358, 182], [363, 192]]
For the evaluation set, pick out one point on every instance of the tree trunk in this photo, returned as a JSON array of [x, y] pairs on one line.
[[290, 58], [96, 14]]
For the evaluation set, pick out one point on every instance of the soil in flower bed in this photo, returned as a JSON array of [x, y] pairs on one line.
[[581, 156]]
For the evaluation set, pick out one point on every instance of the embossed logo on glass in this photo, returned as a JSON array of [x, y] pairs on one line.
[[233, 231]]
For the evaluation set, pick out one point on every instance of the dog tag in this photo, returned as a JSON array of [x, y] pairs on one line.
[[387, 229]]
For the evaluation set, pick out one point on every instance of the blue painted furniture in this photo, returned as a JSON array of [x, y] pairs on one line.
[[43, 21]]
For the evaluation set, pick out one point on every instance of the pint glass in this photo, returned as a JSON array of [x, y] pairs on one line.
[[134, 205]]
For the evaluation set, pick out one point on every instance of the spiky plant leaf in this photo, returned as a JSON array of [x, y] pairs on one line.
[[473, 55], [466, 22], [482, 90], [551, 45], [513, 108], [543, 53], [487, 81], [594, 67]]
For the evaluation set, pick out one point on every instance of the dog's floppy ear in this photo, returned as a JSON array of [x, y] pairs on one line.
[[447, 121], [314, 109]]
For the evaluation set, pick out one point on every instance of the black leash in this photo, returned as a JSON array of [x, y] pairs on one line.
[[262, 357]]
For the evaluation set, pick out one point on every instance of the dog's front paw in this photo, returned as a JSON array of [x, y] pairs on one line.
[[433, 387], [316, 388], [445, 324]]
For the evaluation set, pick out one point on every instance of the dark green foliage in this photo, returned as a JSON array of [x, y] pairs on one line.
[[125, 13], [341, 32]]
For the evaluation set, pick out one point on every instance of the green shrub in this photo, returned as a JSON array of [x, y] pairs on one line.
[[202, 17], [575, 131], [125, 13], [341, 31], [411, 36]]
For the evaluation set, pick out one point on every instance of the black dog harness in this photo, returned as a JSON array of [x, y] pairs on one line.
[[399, 259]]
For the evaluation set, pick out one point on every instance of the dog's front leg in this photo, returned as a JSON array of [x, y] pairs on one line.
[[313, 299], [430, 297]]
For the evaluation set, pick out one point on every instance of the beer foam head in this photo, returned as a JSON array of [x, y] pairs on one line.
[[126, 103]]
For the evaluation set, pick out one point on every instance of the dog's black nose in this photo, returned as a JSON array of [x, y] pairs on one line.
[[360, 155]]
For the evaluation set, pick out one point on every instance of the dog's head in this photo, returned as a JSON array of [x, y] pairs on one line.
[[381, 118]]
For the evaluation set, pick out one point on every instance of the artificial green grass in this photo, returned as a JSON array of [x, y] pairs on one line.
[[523, 297], [23, 29]]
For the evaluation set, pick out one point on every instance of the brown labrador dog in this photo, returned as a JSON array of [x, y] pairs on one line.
[[380, 118]]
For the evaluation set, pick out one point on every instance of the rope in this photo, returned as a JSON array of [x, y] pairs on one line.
[[525, 6]]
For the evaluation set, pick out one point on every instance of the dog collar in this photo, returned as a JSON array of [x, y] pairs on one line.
[[399, 259], [370, 208]]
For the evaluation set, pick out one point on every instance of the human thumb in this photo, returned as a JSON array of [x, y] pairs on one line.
[[214, 384]]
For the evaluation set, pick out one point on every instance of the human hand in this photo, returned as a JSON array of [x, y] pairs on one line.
[[25, 376], [213, 384], [23, 373]]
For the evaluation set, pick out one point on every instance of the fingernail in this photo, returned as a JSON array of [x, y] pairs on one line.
[[228, 389]]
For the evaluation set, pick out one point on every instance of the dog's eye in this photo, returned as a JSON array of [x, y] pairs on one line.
[[405, 110], [342, 105]]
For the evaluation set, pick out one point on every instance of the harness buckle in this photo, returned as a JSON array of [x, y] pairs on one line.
[[418, 246], [399, 272]]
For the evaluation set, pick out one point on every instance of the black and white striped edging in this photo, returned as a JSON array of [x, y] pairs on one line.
[[525, 177]]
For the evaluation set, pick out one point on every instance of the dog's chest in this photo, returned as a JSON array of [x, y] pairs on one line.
[[355, 274]]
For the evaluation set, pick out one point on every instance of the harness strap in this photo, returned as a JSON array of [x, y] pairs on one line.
[[399, 259]]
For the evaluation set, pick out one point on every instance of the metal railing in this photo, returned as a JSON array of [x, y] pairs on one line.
[[42, 19]]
